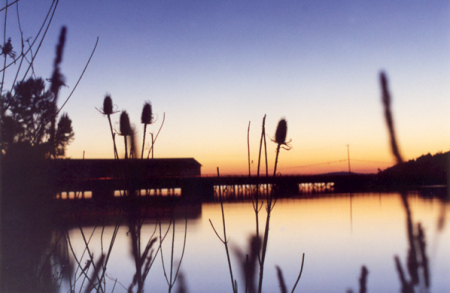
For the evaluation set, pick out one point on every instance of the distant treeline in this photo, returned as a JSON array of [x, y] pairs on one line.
[[423, 171]]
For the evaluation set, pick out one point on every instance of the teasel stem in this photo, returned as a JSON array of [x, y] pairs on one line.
[[143, 141], [126, 146], [108, 111], [280, 139], [276, 161], [116, 155]]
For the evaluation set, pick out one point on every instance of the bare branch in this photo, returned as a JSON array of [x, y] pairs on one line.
[[79, 79]]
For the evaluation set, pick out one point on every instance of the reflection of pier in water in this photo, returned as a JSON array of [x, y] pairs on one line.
[[87, 212]]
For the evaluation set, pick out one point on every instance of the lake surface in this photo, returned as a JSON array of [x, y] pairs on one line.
[[338, 233]]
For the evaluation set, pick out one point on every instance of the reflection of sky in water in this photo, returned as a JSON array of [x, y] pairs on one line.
[[337, 234]]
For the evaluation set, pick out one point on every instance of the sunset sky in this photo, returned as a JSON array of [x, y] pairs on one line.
[[213, 66]]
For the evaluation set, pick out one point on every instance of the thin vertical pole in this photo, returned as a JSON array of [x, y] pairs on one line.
[[248, 147], [348, 156]]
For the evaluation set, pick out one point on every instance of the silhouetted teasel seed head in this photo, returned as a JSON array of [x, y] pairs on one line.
[[107, 105], [125, 126], [146, 117], [280, 134]]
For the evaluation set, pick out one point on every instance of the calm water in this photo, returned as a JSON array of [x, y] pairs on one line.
[[338, 234]]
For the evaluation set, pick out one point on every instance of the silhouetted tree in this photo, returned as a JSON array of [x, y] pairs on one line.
[[27, 117]]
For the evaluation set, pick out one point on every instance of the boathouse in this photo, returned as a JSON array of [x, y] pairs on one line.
[[76, 169]]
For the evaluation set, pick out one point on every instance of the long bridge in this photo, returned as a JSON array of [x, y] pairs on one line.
[[106, 179]]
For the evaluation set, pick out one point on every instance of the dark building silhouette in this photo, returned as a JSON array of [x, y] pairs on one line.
[[69, 169]]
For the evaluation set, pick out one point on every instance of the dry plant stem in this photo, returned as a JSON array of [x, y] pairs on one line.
[[265, 152], [416, 252], [300, 274], [91, 283], [23, 55], [281, 281], [171, 255], [184, 247], [270, 204], [76, 259], [113, 239], [4, 42], [276, 161], [56, 81], [264, 250], [248, 148], [126, 146], [79, 79], [156, 137], [386, 98], [50, 13], [91, 255], [256, 205], [143, 141], [224, 240], [172, 278], [7, 5], [161, 239], [153, 142], [84, 271], [116, 155]]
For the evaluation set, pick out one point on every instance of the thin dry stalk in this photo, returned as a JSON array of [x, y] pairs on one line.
[[256, 206], [56, 83], [172, 278], [386, 99], [111, 244], [299, 274], [225, 240], [143, 141], [417, 261], [281, 281], [280, 139], [116, 154], [94, 275], [91, 255], [156, 137], [248, 148], [79, 78]]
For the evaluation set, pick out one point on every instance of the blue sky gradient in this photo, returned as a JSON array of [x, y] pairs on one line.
[[213, 66]]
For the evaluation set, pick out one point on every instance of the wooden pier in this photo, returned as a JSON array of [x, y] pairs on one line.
[[207, 188], [181, 177]]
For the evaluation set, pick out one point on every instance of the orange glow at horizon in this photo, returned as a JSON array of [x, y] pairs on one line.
[[289, 162], [315, 155]]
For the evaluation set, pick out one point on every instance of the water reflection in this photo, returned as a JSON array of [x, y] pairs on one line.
[[119, 252], [33, 250]]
